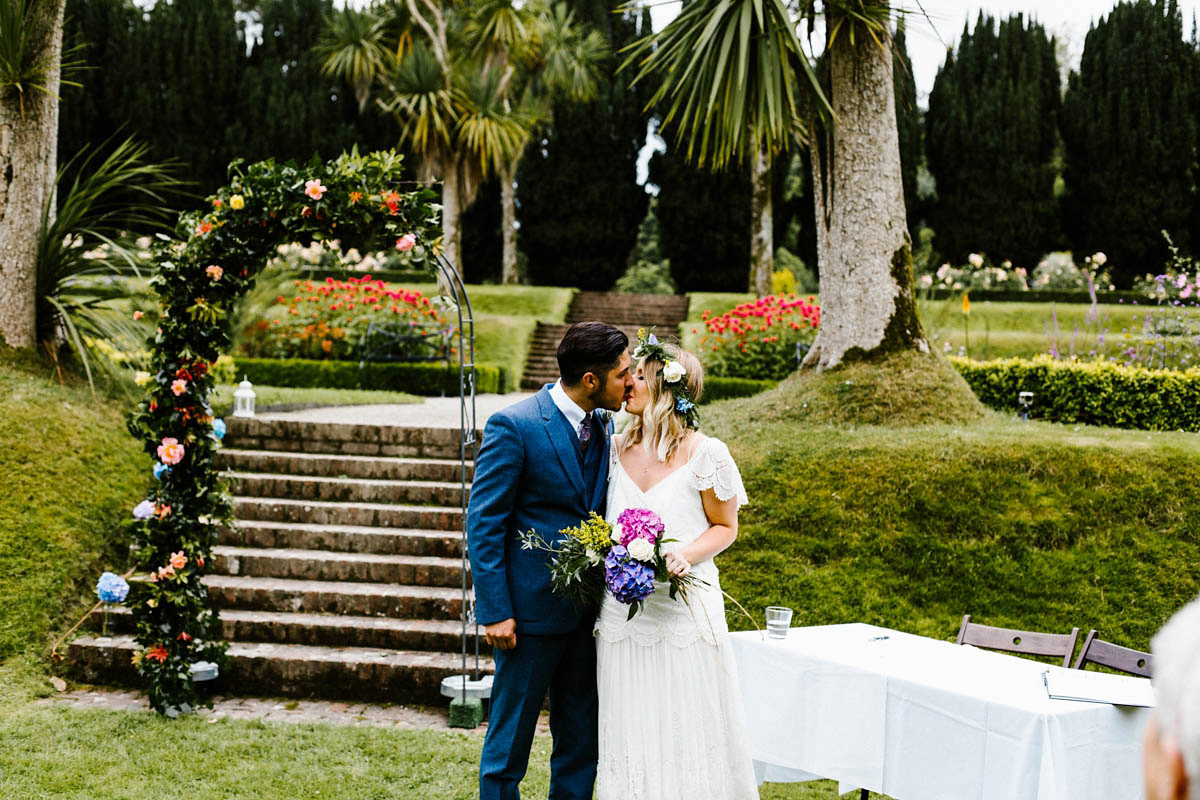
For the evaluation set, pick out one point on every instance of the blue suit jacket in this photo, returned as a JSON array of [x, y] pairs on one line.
[[527, 477]]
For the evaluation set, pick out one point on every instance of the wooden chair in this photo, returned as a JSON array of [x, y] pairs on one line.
[[1114, 656], [1033, 643]]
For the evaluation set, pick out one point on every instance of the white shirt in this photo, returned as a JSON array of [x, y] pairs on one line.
[[569, 408]]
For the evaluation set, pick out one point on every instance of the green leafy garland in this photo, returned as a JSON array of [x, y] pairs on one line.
[[672, 374], [200, 276]]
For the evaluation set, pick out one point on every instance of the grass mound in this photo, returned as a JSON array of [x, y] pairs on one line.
[[1028, 525], [902, 390], [69, 475]]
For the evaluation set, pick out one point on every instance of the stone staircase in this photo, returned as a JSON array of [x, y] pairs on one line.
[[626, 311], [343, 578]]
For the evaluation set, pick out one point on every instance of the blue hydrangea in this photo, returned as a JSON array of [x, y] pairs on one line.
[[628, 579], [112, 588], [160, 469], [683, 405], [144, 510], [219, 428]]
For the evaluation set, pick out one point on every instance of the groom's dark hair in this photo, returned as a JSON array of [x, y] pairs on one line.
[[594, 347]]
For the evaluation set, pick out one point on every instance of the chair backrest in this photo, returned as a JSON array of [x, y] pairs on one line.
[[1033, 643], [1114, 656]]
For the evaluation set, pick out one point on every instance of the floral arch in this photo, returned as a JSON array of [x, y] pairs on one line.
[[200, 277]]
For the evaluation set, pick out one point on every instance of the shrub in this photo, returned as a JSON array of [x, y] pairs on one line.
[[647, 277], [328, 320], [760, 339], [1093, 393], [421, 379], [718, 388]]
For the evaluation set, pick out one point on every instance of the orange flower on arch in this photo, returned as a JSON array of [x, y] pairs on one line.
[[157, 653]]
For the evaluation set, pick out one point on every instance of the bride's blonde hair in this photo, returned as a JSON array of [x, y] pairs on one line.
[[661, 428]]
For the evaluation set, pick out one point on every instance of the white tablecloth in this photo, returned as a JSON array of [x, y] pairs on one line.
[[922, 719]]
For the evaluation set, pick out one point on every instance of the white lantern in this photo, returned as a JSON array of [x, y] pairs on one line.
[[243, 399]]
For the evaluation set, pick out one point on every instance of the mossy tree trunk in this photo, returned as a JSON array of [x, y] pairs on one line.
[[762, 249], [28, 147], [508, 223], [868, 307]]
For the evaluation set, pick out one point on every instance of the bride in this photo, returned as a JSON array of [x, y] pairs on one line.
[[671, 723]]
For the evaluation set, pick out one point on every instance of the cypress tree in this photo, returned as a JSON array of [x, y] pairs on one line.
[[908, 123], [578, 201], [1130, 138], [990, 139]]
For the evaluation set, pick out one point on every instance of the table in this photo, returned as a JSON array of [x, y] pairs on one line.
[[922, 719]]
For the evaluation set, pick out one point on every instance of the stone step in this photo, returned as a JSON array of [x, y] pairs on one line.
[[345, 490], [373, 467], [295, 670], [343, 538], [327, 630], [291, 435], [323, 565], [334, 597], [376, 515]]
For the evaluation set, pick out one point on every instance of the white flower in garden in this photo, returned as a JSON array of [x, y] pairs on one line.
[[641, 550], [943, 271], [673, 371], [976, 260], [1098, 259], [1006, 264], [926, 281]]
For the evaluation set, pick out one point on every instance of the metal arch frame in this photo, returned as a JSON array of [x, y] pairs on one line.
[[468, 441]]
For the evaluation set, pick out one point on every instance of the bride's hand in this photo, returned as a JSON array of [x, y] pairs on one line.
[[677, 565]]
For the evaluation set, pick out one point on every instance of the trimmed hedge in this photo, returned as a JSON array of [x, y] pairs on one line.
[[1037, 296], [1093, 393], [716, 388], [427, 379]]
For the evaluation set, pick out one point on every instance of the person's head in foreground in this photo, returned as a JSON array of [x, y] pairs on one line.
[[593, 360], [1172, 740], [668, 382]]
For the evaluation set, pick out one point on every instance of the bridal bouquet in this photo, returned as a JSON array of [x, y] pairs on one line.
[[593, 558]]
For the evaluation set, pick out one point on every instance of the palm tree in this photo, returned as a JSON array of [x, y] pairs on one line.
[[469, 93], [30, 73], [737, 84]]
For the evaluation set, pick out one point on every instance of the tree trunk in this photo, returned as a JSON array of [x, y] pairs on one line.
[[508, 224], [28, 142], [762, 245], [868, 307], [451, 213]]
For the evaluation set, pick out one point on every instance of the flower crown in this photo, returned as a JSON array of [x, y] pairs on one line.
[[672, 374]]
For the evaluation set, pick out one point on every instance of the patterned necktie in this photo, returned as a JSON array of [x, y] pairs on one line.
[[585, 430]]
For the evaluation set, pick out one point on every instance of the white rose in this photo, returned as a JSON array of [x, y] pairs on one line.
[[592, 556], [616, 536], [976, 260], [673, 371], [641, 550], [1099, 258]]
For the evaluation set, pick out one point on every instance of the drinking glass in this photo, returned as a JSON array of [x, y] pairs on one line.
[[779, 619]]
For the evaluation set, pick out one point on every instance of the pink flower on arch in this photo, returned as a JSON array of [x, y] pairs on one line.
[[170, 452], [315, 189], [214, 272], [406, 242], [179, 386]]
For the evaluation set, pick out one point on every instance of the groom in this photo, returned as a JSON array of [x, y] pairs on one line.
[[543, 465]]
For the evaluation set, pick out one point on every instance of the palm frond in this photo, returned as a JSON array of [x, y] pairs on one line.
[[427, 106], [355, 46], [25, 65], [727, 74], [491, 132], [572, 58]]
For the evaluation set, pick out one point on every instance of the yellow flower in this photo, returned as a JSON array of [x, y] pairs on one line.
[[966, 304], [237, 202]]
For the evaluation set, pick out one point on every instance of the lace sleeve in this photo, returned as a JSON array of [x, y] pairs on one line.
[[713, 468], [613, 450]]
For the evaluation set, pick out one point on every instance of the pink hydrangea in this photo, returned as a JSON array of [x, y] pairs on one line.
[[170, 451], [640, 523]]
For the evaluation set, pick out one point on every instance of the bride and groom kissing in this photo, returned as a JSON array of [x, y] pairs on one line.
[[643, 707]]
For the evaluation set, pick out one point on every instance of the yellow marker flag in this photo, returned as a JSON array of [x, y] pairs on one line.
[[966, 306]]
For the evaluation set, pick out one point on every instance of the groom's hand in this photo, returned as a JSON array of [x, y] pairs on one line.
[[502, 635]]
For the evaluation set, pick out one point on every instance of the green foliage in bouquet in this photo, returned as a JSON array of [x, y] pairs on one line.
[[200, 277], [576, 560]]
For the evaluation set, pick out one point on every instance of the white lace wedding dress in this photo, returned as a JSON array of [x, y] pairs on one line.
[[671, 724]]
